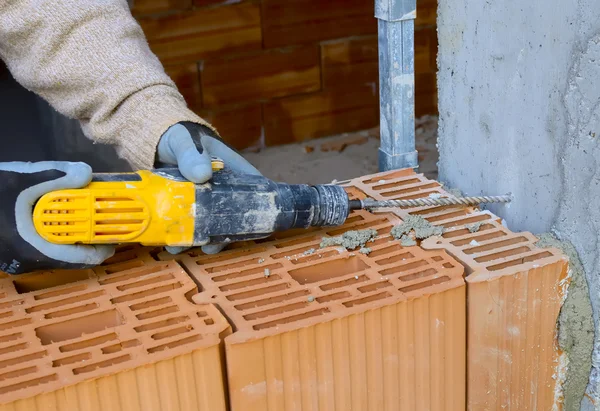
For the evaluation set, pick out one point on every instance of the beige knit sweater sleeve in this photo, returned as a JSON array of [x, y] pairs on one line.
[[90, 60]]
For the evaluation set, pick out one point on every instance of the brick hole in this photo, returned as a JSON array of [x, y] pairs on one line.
[[447, 265], [364, 226], [85, 356], [18, 373], [147, 293], [23, 358], [28, 384], [11, 303], [85, 344], [65, 301], [157, 313], [385, 186], [420, 194], [250, 283], [174, 344], [433, 210], [146, 282], [404, 267], [447, 216], [245, 273], [209, 321], [201, 314], [278, 310], [328, 270], [437, 258], [503, 254], [355, 194], [368, 299], [295, 251], [390, 176], [6, 314], [302, 240], [386, 250], [111, 349], [425, 284], [383, 238], [43, 280], [402, 192], [420, 274], [271, 300], [14, 324], [466, 221], [465, 231], [10, 337], [395, 258], [64, 291], [257, 292], [224, 255], [495, 245], [14, 348], [172, 333], [479, 238], [317, 255], [519, 261], [150, 304], [374, 287], [294, 318], [71, 311], [115, 268], [344, 283], [334, 296], [76, 327], [148, 270], [161, 324], [239, 264], [102, 364]]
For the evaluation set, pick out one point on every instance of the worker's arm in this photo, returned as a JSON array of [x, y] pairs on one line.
[[90, 60], [21, 247]]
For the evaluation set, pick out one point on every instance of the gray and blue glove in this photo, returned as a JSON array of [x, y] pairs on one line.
[[22, 249], [190, 147]]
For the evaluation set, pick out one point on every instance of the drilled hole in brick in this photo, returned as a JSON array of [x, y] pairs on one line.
[[385, 186], [147, 293], [76, 327], [291, 319], [425, 284], [479, 238], [92, 342], [466, 221], [328, 270], [102, 364], [493, 246], [18, 373], [368, 299], [174, 344], [374, 287], [364, 226], [72, 359], [250, 283], [146, 282], [313, 257], [229, 255], [261, 269], [71, 311], [312, 239], [334, 296], [65, 301], [41, 281], [391, 176], [503, 254], [57, 293], [421, 274], [161, 324], [112, 269], [404, 267], [135, 274], [157, 313], [436, 258], [344, 283], [257, 292], [13, 348], [395, 259], [447, 265], [272, 300], [10, 337], [14, 324], [209, 321], [171, 333], [28, 384], [149, 304], [278, 310], [22, 358], [384, 251], [518, 261], [409, 190]]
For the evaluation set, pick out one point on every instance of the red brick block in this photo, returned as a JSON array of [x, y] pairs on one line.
[[350, 62], [159, 6], [190, 36], [265, 75], [241, 127], [321, 114], [187, 79], [287, 22]]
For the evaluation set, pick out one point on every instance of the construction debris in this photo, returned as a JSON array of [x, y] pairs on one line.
[[422, 228], [350, 240]]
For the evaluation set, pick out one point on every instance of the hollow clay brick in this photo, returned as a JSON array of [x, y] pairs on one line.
[[124, 338], [336, 329], [514, 294]]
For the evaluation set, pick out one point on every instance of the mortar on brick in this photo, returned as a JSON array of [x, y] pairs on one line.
[[423, 229], [350, 240]]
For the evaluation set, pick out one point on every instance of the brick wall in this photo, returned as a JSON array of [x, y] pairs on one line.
[[268, 72]]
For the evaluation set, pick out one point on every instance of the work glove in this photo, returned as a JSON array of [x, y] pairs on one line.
[[190, 147], [22, 249]]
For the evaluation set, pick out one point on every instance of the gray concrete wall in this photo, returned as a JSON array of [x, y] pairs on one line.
[[519, 90]]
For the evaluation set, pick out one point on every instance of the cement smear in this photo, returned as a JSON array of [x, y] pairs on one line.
[[423, 229], [350, 240], [575, 326], [473, 228]]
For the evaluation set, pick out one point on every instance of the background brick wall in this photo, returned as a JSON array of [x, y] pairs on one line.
[[268, 72]]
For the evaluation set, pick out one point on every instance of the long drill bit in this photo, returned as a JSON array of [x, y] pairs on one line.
[[427, 201]]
